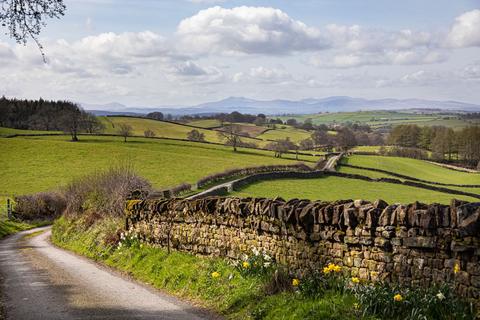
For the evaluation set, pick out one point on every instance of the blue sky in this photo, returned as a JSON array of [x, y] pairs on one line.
[[152, 53]]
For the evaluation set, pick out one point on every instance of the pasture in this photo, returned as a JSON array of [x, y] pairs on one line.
[[334, 188], [160, 128], [381, 119], [414, 168], [33, 164], [283, 132], [205, 123]]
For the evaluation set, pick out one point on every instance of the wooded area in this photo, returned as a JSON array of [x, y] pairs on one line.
[[47, 115], [444, 143]]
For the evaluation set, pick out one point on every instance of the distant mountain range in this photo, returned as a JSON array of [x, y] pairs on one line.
[[278, 107]]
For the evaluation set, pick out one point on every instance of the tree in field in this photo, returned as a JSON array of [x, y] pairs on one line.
[[149, 133], [25, 19], [320, 138], [196, 135], [307, 144], [71, 121], [125, 130], [91, 124], [281, 146], [345, 139], [231, 136]]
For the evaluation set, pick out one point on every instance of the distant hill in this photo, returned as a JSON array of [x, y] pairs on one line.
[[278, 107]]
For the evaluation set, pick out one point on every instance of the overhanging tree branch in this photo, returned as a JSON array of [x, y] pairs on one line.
[[24, 19]]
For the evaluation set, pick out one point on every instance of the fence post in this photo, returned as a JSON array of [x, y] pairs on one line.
[[9, 209]]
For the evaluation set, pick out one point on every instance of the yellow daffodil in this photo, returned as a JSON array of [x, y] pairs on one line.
[[398, 297], [456, 268], [246, 264], [356, 305], [331, 267], [215, 274], [355, 280], [295, 282]]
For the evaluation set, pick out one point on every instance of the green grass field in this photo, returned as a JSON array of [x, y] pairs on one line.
[[42, 163], [334, 188], [379, 119], [205, 123], [163, 129], [10, 131], [415, 168], [376, 175], [283, 132]]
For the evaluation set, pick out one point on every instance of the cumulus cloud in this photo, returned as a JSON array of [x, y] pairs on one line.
[[465, 32], [247, 30], [103, 53], [354, 46]]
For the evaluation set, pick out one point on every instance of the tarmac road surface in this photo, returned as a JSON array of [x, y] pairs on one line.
[[41, 281]]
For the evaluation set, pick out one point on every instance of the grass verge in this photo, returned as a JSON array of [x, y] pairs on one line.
[[231, 294]]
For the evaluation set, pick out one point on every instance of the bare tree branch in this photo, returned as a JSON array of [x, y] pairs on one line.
[[25, 19]]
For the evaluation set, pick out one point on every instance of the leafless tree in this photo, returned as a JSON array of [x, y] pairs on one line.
[[149, 133], [231, 136], [125, 130], [195, 135], [72, 121]]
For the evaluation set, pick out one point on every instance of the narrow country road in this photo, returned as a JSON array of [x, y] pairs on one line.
[[40, 281], [330, 165]]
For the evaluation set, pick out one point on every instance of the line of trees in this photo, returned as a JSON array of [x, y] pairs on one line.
[[444, 143], [48, 116]]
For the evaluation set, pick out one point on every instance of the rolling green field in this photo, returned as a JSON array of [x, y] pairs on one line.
[[161, 129], [334, 188], [36, 164], [414, 168], [283, 132], [379, 119], [179, 131], [171, 130], [376, 175]]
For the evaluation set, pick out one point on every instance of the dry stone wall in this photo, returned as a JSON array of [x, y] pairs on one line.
[[414, 244]]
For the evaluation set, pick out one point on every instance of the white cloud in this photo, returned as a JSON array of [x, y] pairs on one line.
[[191, 72], [465, 32], [338, 59], [264, 75], [6, 52], [247, 30]]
